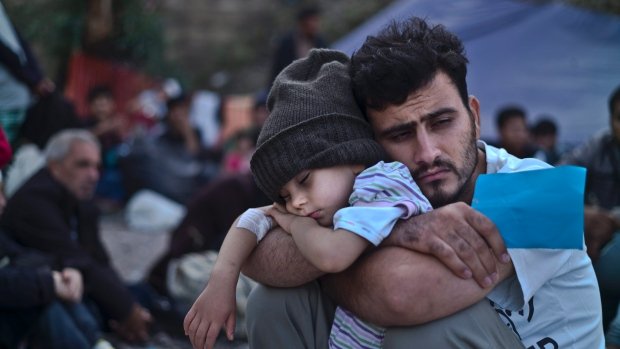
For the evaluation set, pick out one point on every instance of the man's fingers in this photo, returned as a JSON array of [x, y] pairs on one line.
[[448, 257], [488, 231], [475, 253]]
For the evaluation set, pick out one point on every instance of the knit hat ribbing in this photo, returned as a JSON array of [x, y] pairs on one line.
[[314, 122]]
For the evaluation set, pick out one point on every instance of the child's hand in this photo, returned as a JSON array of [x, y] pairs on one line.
[[283, 218], [215, 307]]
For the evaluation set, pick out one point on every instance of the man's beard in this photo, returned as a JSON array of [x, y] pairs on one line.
[[469, 154]]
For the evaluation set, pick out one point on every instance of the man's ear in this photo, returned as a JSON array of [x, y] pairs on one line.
[[357, 169], [474, 107]]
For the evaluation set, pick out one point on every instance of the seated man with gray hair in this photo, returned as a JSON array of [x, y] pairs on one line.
[[53, 213]]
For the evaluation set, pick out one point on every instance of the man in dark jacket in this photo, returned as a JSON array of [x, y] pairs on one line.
[[39, 304], [52, 213]]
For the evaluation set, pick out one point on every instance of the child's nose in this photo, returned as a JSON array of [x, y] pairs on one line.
[[299, 201]]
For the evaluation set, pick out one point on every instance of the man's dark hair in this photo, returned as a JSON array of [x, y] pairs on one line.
[[404, 57], [98, 92], [308, 11], [507, 113], [614, 99], [545, 126]]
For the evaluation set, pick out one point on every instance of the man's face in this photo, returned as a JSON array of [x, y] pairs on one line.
[[178, 118], [79, 170], [434, 135], [615, 122], [310, 26], [514, 135], [102, 107]]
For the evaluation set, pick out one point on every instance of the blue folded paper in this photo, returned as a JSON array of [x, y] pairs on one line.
[[535, 209]]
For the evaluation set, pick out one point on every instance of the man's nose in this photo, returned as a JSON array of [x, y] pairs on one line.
[[426, 150], [93, 173]]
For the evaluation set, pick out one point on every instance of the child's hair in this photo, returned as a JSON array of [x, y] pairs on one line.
[[314, 122]]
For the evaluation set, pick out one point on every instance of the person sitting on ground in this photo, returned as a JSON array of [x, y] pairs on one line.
[[432, 279], [513, 133], [150, 105], [112, 129], [545, 136], [102, 119], [41, 306], [311, 192], [53, 212], [173, 163], [600, 155]]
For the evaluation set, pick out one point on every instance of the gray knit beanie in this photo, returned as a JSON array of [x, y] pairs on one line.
[[314, 122]]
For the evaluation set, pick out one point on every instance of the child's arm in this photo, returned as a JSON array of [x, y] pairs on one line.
[[216, 306], [329, 250]]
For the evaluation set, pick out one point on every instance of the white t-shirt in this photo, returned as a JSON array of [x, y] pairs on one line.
[[553, 301]]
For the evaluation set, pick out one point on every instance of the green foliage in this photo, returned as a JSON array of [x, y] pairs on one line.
[[139, 34], [56, 25], [59, 25]]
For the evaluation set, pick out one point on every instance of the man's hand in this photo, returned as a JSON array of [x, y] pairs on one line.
[[460, 237], [44, 87], [135, 327], [599, 227], [68, 285]]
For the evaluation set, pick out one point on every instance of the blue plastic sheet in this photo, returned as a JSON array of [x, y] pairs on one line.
[[535, 209]]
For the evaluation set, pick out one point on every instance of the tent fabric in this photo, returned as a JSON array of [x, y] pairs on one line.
[[550, 58]]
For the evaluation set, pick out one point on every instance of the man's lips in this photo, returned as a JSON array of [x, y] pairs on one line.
[[431, 176]]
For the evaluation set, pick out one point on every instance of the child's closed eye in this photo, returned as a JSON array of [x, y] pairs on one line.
[[304, 178]]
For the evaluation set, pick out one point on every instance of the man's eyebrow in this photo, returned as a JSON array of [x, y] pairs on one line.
[[439, 112], [411, 124], [397, 128]]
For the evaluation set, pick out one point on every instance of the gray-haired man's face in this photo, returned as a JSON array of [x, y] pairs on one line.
[[79, 170]]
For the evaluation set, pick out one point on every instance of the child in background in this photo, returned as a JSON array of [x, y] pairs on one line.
[[311, 160]]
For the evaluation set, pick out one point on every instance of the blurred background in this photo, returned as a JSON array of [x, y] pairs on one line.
[[227, 47], [175, 91]]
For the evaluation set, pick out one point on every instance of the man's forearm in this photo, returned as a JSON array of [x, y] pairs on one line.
[[277, 262], [398, 287], [460, 237]]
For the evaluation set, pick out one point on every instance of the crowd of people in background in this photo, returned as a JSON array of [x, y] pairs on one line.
[[56, 280]]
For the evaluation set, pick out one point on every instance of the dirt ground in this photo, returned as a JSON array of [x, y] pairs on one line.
[[132, 254]]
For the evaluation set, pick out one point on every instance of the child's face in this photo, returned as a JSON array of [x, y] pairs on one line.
[[319, 193]]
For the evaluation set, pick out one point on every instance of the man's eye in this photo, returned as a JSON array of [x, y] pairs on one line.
[[285, 198], [442, 122], [400, 136]]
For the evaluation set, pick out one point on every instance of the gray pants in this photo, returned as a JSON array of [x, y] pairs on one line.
[[302, 318]]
